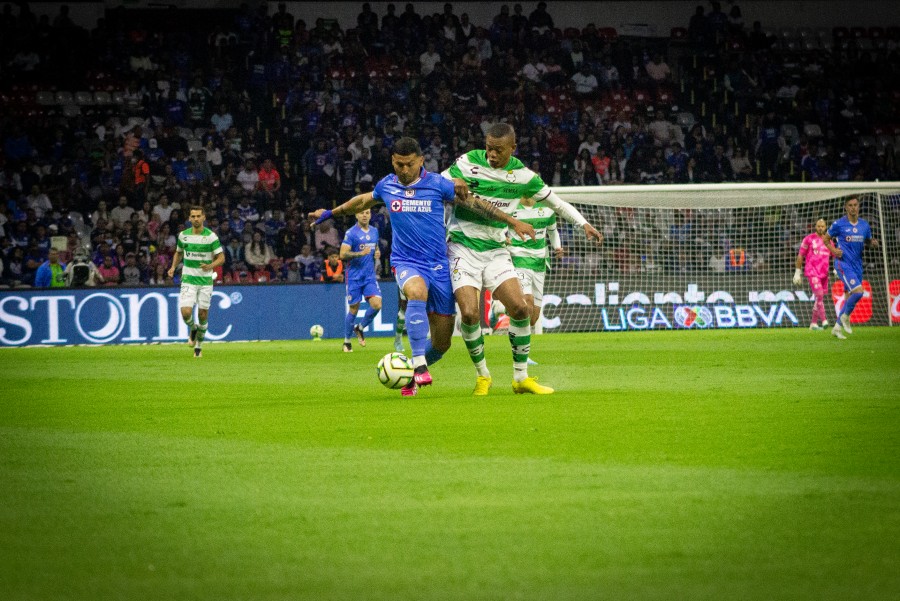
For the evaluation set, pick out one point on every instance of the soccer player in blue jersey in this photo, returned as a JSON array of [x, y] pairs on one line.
[[416, 199], [851, 234], [360, 254]]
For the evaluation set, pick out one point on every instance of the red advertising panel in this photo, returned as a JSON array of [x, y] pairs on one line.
[[862, 313]]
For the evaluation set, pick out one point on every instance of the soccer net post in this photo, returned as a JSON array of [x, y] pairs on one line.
[[713, 256]]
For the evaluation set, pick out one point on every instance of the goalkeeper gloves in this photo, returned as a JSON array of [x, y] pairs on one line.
[[798, 277], [323, 217]]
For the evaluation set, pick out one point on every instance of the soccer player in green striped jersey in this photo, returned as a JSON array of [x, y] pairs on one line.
[[202, 252], [531, 258], [480, 258]]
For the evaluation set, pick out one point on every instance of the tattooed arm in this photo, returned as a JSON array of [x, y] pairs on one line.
[[488, 211]]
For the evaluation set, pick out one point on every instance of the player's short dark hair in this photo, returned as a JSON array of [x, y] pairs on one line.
[[406, 146], [501, 130], [197, 208]]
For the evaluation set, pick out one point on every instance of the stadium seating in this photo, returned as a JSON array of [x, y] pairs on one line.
[[812, 130], [790, 133]]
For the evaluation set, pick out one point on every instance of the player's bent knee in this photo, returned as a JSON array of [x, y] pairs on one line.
[[375, 303], [469, 317], [441, 346], [519, 310]]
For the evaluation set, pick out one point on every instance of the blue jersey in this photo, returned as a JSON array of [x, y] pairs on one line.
[[851, 239], [362, 268], [417, 218]]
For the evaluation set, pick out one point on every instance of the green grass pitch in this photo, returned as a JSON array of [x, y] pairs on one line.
[[669, 465]]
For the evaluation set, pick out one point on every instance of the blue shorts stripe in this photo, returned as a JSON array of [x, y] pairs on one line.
[[851, 278]]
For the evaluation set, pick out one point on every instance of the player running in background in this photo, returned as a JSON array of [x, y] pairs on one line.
[[415, 199], [851, 234], [817, 255], [360, 254], [202, 252], [480, 257], [531, 258]]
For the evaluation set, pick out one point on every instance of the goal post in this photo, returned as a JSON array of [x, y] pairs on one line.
[[713, 256]]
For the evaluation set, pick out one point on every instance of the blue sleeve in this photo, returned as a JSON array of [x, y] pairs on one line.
[[42, 277], [377, 190], [833, 230], [868, 231], [348, 238], [448, 192]]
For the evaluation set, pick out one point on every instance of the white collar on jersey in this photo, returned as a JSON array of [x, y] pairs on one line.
[[422, 173]]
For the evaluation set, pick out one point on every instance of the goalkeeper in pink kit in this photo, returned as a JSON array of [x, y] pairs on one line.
[[817, 254]]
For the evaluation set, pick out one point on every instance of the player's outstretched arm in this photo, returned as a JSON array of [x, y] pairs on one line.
[[358, 203], [489, 211], [571, 214]]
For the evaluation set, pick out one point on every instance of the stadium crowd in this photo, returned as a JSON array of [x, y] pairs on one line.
[[261, 118]]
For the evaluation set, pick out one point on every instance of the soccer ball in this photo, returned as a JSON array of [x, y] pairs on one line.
[[395, 370], [316, 332]]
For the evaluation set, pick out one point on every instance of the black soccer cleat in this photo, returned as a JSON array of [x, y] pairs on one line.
[[360, 335], [348, 348], [197, 352]]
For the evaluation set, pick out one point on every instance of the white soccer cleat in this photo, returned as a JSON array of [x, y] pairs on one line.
[[824, 323], [836, 332], [815, 327], [845, 321]]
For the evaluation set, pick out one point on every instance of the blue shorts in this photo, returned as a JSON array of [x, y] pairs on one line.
[[437, 280], [849, 275], [357, 290]]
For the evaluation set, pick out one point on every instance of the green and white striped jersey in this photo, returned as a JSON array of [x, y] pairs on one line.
[[503, 188], [528, 253], [198, 249]]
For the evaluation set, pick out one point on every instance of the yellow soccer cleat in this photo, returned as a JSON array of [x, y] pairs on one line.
[[530, 386], [482, 385]]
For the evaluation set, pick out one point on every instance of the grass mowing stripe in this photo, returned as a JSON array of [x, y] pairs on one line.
[[700, 465], [227, 519]]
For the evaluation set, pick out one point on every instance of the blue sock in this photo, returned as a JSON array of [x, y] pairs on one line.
[[349, 318], [432, 355], [370, 315], [417, 327], [851, 303]]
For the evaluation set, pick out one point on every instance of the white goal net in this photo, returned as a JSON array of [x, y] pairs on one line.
[[712, 256]]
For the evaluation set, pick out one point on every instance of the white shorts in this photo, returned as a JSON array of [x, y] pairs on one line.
[[193, 294], [479, 269], [532, 284]]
